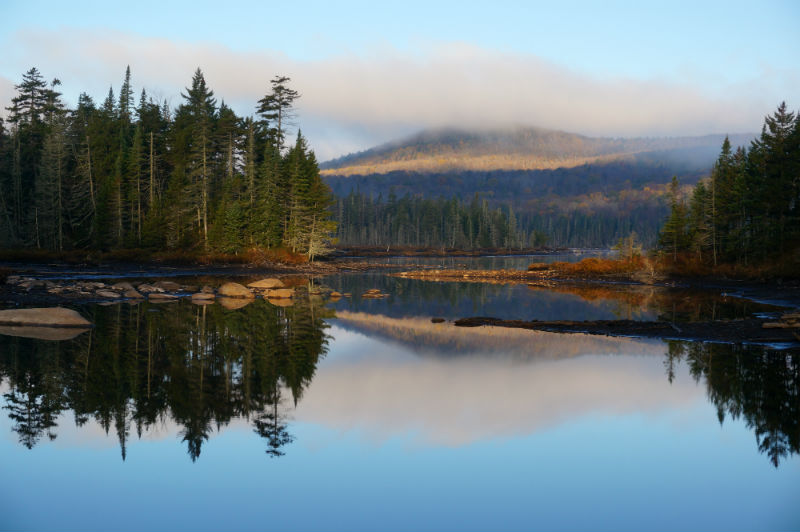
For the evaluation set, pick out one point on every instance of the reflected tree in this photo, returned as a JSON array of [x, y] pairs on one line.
[[758, 384], [201, 366]]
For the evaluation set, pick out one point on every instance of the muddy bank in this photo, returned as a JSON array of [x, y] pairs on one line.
[[746, 331]]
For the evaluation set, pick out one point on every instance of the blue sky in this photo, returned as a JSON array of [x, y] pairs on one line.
[[369, 71]]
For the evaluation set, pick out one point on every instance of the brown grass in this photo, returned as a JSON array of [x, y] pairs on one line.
[[598, 267]]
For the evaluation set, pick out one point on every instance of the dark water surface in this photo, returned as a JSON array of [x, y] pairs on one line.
[[363, 414]]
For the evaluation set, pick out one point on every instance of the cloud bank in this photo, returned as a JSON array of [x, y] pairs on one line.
[[354, 100]]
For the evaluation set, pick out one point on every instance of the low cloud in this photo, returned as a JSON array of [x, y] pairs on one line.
[[352, 101]]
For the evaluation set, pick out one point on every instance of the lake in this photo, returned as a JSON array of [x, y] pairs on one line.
[[363, 414]]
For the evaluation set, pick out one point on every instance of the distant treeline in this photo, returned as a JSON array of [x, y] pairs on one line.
[[142, 175], [748, 210], [452, 223]]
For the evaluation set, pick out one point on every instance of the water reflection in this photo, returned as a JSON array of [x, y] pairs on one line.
[[758, 384], [200, 368], [197, 366]]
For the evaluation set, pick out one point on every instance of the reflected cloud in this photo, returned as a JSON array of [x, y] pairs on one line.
[[457, 401]]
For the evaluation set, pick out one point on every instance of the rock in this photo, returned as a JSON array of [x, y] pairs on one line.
[[335, 294], [280, 293], [280, 302], [264, 284], [233, 303], [167, 286], [235, 290], [133, 294], [437, 320], [147, 289], [189, 288], [43, 333], [56, 290], [13, 279], [158, 297], [200, 296], [43, 317], [373, 293], [107, 293], [207, 290], [347, 294], [122, 287]]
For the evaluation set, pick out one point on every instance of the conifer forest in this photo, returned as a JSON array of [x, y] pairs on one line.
[[132, 172]]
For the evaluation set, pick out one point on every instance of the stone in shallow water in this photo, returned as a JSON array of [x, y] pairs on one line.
[[267, 283], [169, 286], [158, 297], [235, 290], [107, 293], [280, 293], [43, 317], [202, 296]]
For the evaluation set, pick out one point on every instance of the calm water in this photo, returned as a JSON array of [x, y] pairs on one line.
[[363, 414]]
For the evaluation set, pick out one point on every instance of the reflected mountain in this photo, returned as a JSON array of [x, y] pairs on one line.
[[440, 340], [198, 366]]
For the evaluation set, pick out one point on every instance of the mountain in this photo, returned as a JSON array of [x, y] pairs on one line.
[[519, 148]]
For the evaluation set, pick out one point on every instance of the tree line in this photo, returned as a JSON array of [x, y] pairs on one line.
[[414, 220], [748, 210], [139, 174]]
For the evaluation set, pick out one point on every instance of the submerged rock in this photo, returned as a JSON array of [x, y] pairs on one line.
[[44, 317]]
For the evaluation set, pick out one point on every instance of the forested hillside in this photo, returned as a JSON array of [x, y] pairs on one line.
[[748, 210], [135, 173], [572, 191], [519, 148]]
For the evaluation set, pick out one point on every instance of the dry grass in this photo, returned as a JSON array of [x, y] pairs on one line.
[[600, 267]]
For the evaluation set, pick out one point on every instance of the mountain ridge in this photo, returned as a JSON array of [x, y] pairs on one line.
[[445, 150]]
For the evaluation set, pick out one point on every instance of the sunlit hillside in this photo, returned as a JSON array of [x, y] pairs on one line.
[[520, 148]]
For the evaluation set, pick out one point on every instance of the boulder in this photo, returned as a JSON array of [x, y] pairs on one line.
[[280, 293], [147, 288], [168, 286], [43, 317], [281, 302], [107, 293], [158, 297], [233, 303], [335, 295], [122, 287], [265, 284], [133, 294], [207, 290], [200, 296], [235, 290]]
